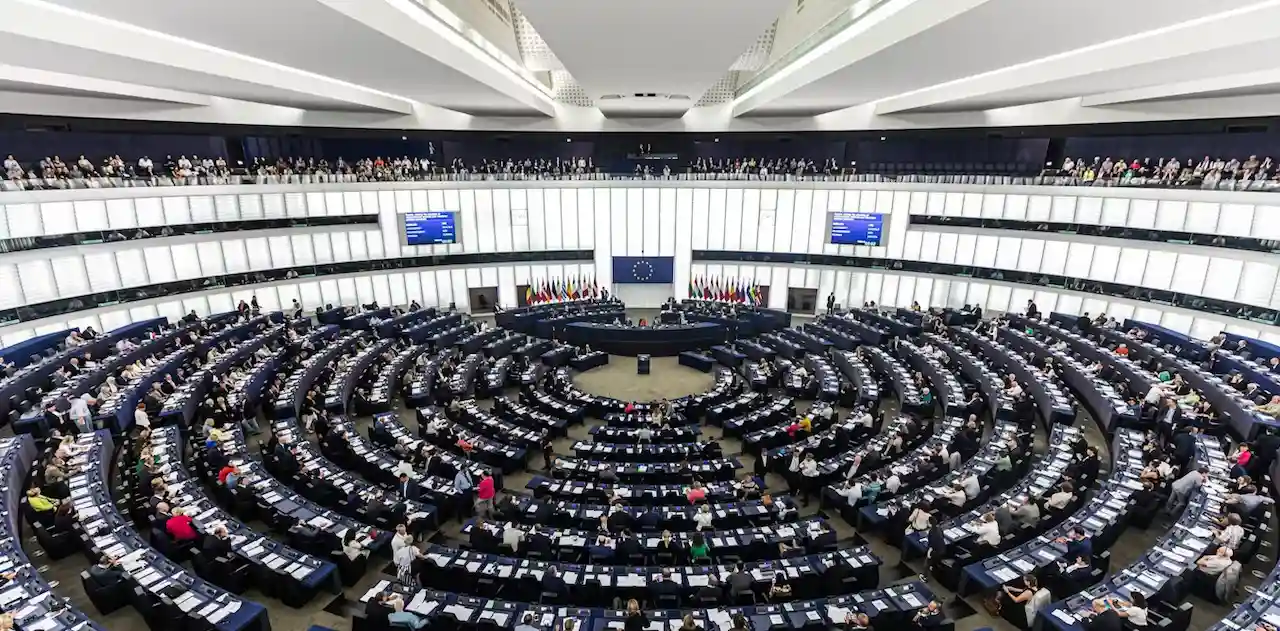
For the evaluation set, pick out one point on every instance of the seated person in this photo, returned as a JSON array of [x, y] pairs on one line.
[[106, 572], [180, 526], [42, 504], [928, 616], [218, 544], [699, 548], [1214, 564]]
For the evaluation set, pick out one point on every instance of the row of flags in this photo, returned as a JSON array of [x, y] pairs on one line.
[[726, 290], [559, 290]]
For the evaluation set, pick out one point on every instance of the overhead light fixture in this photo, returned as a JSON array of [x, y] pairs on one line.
[[404, 138], [882, 139], [568, 140], [717, 140]]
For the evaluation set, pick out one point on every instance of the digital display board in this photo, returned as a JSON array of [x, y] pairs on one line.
[[856, 228], [430, 227]]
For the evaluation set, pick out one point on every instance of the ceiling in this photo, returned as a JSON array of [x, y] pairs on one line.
[[661, 65]]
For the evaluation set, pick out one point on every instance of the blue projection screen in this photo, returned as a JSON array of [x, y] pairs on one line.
[[432, 227], [855, 228]]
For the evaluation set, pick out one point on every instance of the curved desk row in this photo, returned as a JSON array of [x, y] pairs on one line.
[[1055, 405], [886, 607], [170, 593], [33, 603]]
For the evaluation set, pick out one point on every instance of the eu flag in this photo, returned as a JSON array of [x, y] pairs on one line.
[[644, 269]]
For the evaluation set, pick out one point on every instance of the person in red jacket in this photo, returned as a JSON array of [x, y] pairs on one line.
[[484, 495], [179, 526]]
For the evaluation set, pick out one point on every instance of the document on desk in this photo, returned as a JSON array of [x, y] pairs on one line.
[[1065, 616], [299, 571], [420, 605], [463, 614], [912, 600]]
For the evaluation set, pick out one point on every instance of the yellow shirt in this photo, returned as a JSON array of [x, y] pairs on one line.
[[41, 503], [806, 424]]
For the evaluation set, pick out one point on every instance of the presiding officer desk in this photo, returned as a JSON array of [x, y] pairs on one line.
[[296, 577], [885, 607], [748, 544], [1103, 519], [1160, 572], [28, 597], [582, 491], [674, 518], [660, 340], [170, 594], [524, 319]]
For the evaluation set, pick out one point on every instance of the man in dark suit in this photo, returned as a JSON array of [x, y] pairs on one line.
[[218, 544], [407, 488], [537, 542], [553, 584], [106, 572], [739, 581], [666, 586], [627, 545], [1102, 618]]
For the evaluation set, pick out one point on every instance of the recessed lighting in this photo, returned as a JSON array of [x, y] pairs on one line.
[[882, 139], [717, 140], [568, 140], [404, 138]]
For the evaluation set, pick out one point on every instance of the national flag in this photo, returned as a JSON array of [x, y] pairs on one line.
[[528, 294]]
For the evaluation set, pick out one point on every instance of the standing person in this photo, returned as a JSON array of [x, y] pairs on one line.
[[463, 484], [80, 414], [831, 303], [548, 452], [484, 495]]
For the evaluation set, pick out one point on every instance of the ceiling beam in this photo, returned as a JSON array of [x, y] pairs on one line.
[[413, 26], [1234, 27], [1185, 89], [92, 86], [42, 20], [878, 29]]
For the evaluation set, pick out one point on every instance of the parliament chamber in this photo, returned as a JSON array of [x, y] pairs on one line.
[[516, 315]]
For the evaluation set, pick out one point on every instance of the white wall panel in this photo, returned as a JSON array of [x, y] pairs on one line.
[[584, 203], [1172, 215], [1201, 218], [1131, 266], [159, 264], [70, 276], [485, 228], [1105, 260], [1088, 210], [1222, 278], [653, 222], [1160, 269], [1189, 275], [1142, 213], [554, 234]]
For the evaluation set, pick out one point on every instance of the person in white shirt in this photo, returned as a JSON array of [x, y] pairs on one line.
[[80, 414], [401, 539], [918, 520], [74, 339], [1135, 611], [864, 419], [1232, 534], [850, 491], [702, 519], [809, 471], [140, 417], [1214, 564], [987, 530], [513, 537], [955, 495], [971, 485], [893, 483], [1060, 499]]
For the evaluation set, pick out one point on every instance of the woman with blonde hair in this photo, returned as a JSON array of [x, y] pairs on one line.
[[635, 620]]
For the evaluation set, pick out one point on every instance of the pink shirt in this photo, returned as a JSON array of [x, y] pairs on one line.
[[485, 490]]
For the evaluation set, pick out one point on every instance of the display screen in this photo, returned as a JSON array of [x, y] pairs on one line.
[[431, 227], [856, 228]]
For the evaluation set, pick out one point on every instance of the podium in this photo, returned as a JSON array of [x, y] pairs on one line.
[[642, 364]]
